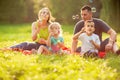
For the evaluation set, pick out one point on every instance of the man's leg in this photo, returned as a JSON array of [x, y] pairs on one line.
[[114, 49], [103, 44], [78, 50]]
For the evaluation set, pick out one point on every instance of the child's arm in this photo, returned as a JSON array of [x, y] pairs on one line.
[[61, 44], [49, 39], [75, 37]]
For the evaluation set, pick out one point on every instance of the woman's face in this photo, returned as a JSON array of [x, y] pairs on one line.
[[44, 14]]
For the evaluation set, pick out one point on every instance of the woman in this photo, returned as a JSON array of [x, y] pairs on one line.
[[39, 31]]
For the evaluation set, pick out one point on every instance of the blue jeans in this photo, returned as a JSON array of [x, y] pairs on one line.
[[27, 46]]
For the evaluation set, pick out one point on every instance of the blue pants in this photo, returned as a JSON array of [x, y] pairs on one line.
[[27, 45]]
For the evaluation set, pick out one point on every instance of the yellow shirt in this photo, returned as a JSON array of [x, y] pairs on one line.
[[43, 34]]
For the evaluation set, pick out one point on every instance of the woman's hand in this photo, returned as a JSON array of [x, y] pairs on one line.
[[42, 41]]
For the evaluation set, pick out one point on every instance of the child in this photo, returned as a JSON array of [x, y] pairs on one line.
[[90, 41], [55, 40]]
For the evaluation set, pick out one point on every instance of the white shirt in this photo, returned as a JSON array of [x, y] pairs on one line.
[[86, 44]]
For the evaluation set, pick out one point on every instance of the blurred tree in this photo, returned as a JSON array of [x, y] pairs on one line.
[[96, 7], [29, 7], [64, 10], [12, 10], [111, 13]]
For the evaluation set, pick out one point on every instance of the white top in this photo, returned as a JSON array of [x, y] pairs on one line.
[[86, 44]]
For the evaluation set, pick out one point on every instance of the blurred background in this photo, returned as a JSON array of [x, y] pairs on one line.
[[65, 11]]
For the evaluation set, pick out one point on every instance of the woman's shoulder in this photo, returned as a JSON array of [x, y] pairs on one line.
[[34, 23]]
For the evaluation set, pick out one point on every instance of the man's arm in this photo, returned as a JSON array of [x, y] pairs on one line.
[[112, 39], [113, 35]]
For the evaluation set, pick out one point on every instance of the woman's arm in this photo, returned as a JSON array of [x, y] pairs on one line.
[[34, 31]]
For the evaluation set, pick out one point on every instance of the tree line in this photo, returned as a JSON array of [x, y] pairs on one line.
[[25, 11]]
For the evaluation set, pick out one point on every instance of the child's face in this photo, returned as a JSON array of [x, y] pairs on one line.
[[55, 29], [89, 27]]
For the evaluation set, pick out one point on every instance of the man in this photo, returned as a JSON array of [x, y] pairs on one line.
[[108, 44]]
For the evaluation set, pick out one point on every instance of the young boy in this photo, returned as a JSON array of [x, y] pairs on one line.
[[90, 41]]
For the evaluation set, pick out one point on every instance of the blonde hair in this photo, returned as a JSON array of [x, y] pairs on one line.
[[55, 24], [51, 18]]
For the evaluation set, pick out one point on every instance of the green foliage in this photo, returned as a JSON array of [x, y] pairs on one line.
[[111, 13], [64, 10], [12, 11], [21, 11], [16, 66]]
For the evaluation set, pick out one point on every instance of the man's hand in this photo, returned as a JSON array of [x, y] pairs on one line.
[[109, 47]]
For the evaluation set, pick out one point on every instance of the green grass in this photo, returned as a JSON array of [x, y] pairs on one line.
[[16, 66]]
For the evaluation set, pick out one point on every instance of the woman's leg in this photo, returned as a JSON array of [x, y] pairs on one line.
[[27, 46]]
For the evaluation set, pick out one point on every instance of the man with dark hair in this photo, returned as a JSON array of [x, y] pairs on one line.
[[108, 44]]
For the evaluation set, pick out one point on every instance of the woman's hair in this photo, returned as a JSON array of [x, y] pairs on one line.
[[55, 24], [51, 18]]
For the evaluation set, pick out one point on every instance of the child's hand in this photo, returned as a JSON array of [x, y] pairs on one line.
[[82, 30], [51, 34], [91, 41]]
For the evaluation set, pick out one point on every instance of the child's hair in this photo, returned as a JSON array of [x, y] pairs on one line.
[[89, 21], [55, 24]]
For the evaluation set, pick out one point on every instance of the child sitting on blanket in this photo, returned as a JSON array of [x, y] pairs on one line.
[[55, 41], [90, 41]]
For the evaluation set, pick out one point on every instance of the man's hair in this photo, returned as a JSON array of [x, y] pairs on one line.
[[86, 7]]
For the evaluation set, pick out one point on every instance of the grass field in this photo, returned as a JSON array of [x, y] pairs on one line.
[[16, 66]]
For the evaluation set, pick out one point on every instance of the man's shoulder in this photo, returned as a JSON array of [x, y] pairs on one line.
[[80, 22], [97, 20]]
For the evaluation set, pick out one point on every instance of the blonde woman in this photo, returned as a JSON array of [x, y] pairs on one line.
[[39, 31]]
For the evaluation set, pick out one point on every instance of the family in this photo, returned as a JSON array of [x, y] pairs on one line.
[[47, 35]]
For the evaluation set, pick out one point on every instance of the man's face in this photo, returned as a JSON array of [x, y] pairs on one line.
[[86, 15]]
